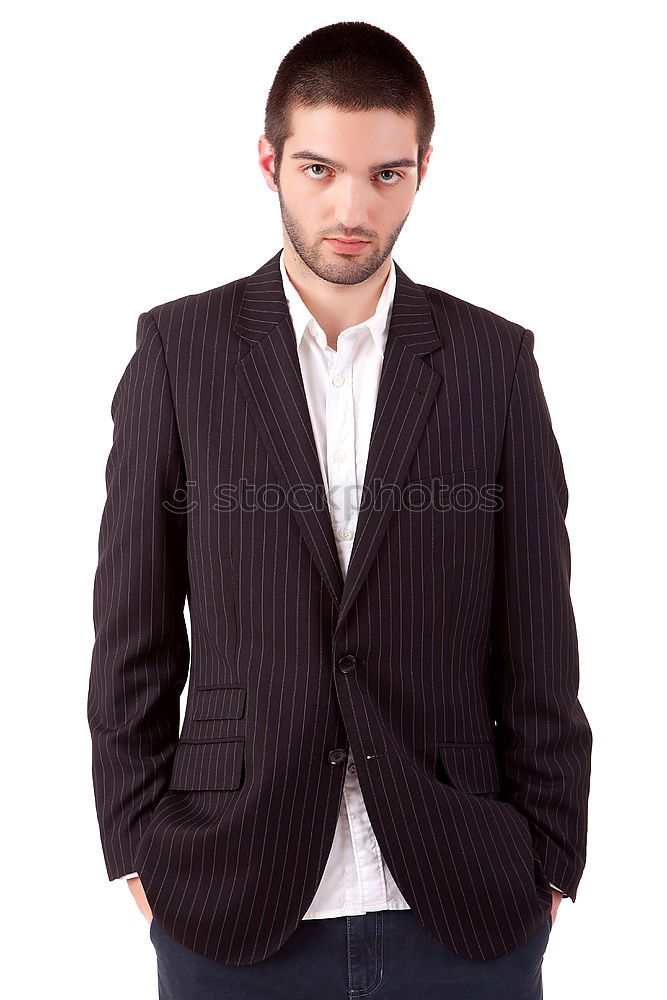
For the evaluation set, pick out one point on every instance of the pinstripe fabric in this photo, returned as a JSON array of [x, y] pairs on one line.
[[446, 659]]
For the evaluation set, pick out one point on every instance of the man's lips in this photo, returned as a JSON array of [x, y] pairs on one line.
[[348, 246]]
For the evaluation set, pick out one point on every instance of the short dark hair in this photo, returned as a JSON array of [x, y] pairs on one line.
[[353, 66]]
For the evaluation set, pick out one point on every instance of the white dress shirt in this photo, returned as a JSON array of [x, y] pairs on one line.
[[341, 390]]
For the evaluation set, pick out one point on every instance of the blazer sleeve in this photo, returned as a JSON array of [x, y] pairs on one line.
[[141, 652], [544, 737]]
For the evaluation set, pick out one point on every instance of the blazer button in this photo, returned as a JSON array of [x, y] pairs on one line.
[[337, 756], [347, 663]]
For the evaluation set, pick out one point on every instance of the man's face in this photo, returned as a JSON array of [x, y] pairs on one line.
[[351, 175]]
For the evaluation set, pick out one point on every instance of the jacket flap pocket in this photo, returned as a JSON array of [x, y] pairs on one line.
[[472, 767], [207, 765], [449, 477], [223, 702]]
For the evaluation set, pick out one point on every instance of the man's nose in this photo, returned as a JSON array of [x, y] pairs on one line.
[[350, 205]]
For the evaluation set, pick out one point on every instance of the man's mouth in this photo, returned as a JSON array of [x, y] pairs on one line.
[[348, 246]]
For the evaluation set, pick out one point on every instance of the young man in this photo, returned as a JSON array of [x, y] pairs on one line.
[[381, 781]]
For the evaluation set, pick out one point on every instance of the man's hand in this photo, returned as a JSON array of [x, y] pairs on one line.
[[556, 899], [137, 890]]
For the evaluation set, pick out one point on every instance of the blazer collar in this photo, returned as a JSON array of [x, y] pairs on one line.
[[264, 304], [269, 374]]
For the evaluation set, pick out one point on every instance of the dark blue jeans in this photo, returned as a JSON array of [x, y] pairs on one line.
[[383, 954]]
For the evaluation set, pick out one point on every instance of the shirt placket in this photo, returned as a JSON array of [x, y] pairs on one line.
[[343, 502]]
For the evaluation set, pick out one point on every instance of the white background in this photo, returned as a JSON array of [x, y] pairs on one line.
[[130, 178]]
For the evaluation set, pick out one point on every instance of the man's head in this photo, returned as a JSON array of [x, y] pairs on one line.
[[347, 131]]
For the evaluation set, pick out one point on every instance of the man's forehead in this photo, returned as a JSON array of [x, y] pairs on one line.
[[318, 134]]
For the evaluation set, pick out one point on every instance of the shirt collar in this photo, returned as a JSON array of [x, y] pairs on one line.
[[378, 322]]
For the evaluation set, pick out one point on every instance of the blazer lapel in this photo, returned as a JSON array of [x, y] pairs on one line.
[[269, 375], [407, 389]]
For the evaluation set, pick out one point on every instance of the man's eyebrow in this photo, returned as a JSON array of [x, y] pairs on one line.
[[308, 154]]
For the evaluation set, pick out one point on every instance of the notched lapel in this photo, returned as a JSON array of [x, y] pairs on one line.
[[407, 389], [270, 377]]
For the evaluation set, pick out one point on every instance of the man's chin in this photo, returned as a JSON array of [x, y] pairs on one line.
[[338, 269]]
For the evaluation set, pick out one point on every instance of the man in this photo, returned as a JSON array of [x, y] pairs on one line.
[[381, 780]]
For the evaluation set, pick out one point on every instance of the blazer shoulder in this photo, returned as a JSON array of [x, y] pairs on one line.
[[454, 313], [197, 311]]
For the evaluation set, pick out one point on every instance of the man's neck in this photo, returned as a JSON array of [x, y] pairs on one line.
[[335, 307]]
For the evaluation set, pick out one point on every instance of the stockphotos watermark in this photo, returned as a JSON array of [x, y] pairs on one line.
[[417, 496]]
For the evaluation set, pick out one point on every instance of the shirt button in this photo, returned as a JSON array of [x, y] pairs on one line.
[[345, 533], [339, 456], [352, 768], [338, 380]]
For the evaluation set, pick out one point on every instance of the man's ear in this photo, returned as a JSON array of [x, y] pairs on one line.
[[266, 154], [425, 163]]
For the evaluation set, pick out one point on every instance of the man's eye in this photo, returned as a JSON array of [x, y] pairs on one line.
[[316, 166], [394, 180]]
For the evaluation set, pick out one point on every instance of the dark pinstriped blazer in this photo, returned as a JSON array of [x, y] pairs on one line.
[[447, 659]]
